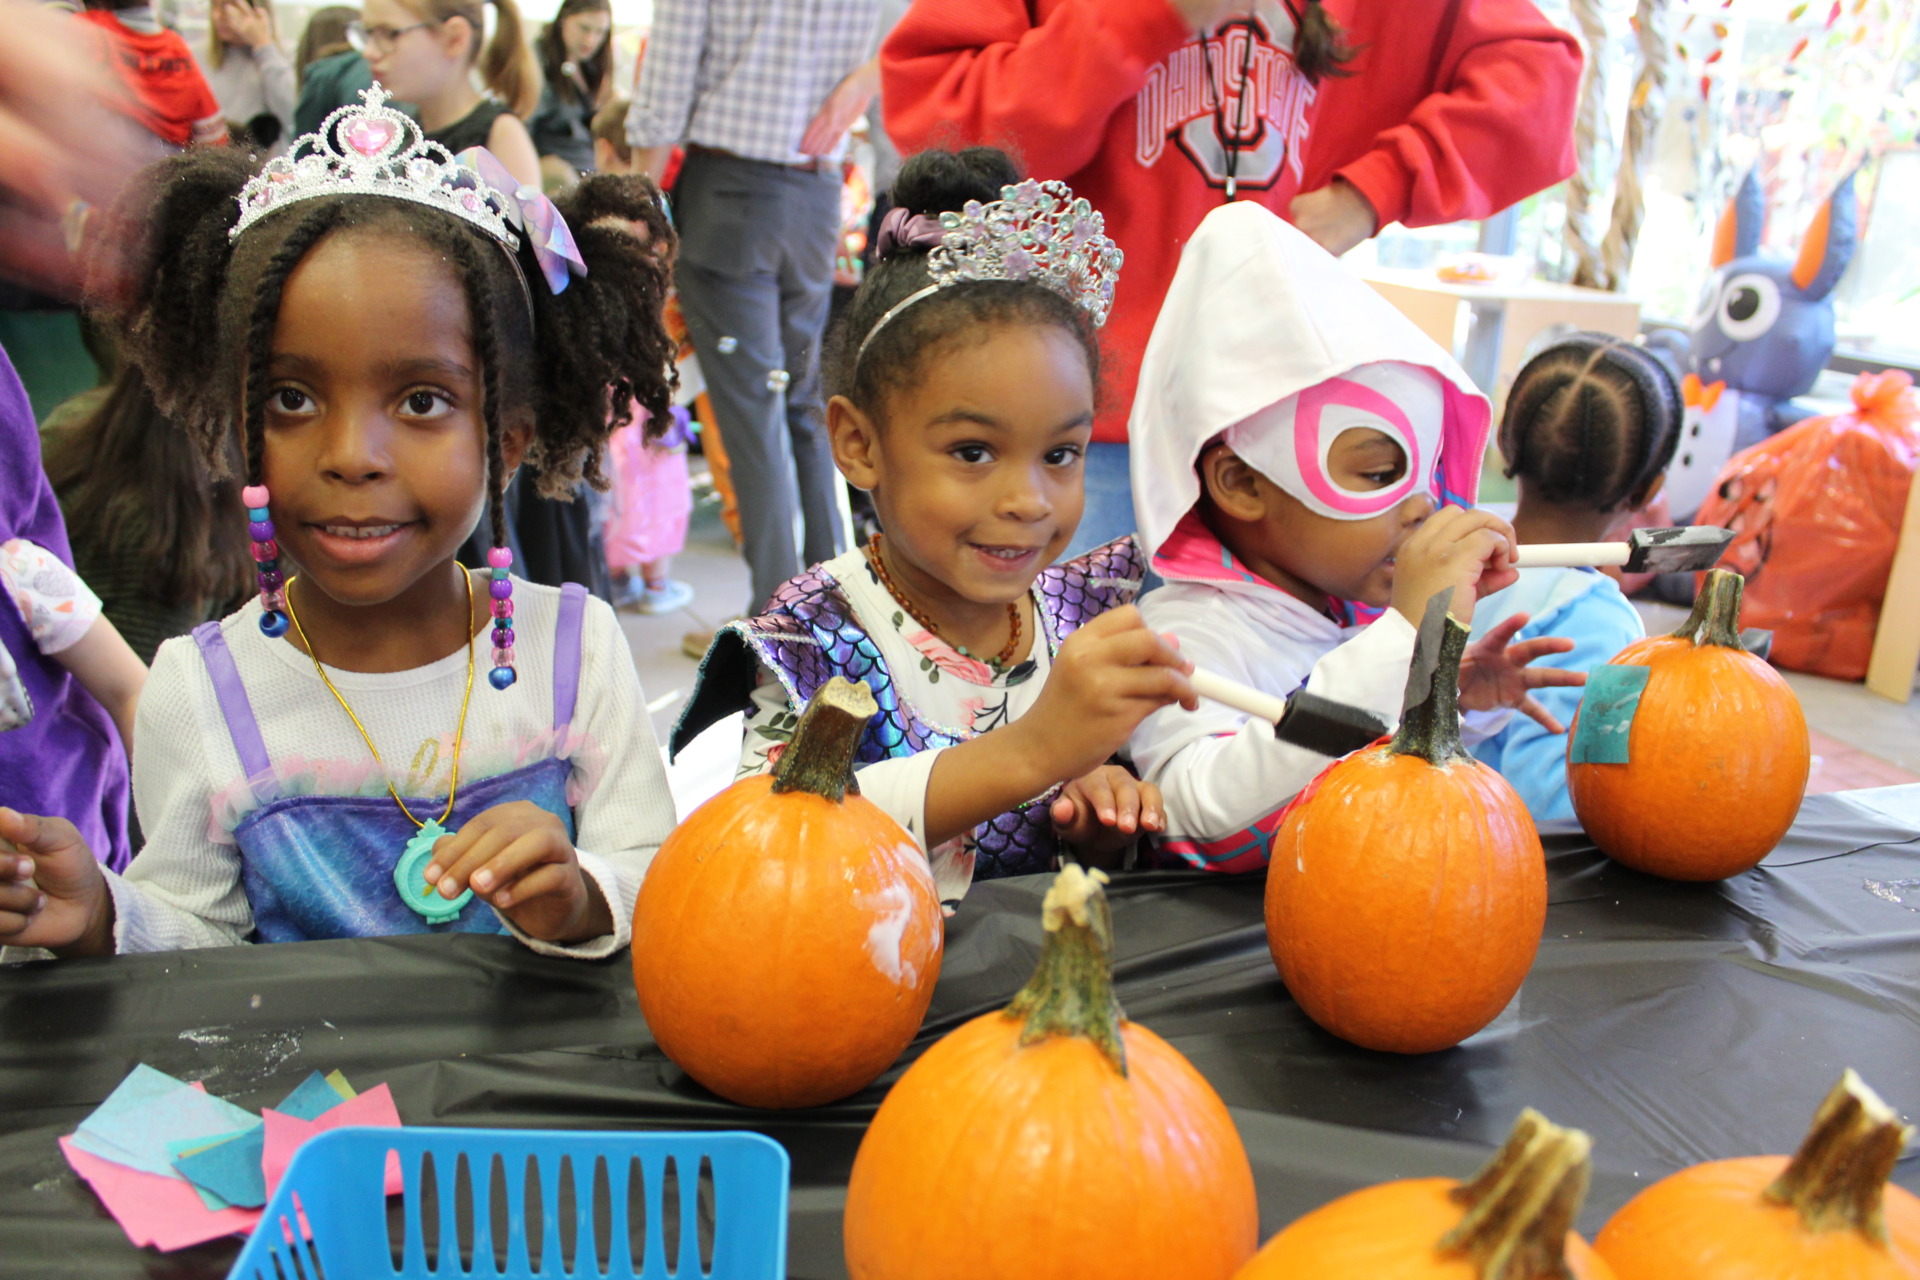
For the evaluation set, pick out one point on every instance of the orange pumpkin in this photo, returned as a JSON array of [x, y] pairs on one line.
[[1053, 1140], [1512, 1222], [1407, 889], [1826, 1214], [1717, 753], [787, 937]]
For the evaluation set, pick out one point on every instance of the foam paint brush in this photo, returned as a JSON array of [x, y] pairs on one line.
[[1677, 550]]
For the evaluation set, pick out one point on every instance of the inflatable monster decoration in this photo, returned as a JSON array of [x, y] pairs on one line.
[[1764, 330]]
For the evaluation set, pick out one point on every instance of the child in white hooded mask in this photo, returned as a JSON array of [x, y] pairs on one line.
[[1303, 457]]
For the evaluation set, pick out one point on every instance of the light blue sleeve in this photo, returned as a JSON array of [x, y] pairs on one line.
[[1600, 624]]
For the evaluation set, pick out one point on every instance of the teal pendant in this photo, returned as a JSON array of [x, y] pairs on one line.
[[410, 878]]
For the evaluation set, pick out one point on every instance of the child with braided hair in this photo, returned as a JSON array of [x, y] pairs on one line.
[[390, 331], [1589, 430]]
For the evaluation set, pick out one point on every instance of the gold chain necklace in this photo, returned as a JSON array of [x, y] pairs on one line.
[[409, 873], [999, 660]]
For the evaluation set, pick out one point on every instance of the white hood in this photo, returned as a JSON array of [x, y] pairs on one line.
[[1257, 312]]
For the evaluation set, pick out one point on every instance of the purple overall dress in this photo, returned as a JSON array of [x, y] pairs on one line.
[[322, 866], [810, 633]]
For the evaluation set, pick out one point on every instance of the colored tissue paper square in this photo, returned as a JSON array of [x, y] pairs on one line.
[[194, 1147], [340, 1085], [162, 1212], [150, 1110], [229, 1170], [1607, 707], [314, 1098], [286, 1134]]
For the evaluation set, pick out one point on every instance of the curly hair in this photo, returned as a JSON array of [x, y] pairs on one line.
[[196, 312], [1590, 421], [932, 183]]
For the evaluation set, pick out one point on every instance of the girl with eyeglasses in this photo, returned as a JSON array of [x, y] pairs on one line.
[[424, 52]]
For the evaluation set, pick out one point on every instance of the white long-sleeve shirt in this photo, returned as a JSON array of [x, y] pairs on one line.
[[184, 888], [1223, 777]]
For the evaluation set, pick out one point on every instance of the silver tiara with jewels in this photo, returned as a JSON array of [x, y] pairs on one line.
[[371, 149], [1037, 232]]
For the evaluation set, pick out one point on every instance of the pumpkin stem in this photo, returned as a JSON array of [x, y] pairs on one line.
[[1837, 1180], [1430, 728], [1071, 990], [1716, 610], [1521, 1205], [819, 760]]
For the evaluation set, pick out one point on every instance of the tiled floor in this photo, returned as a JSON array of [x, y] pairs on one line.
[[1859, 738]]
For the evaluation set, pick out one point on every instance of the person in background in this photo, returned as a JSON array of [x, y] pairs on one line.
[[68, 682], [249, 72], [576, 66], [332, 72], [652, 494], [170, 98], [324, 36], [1341, 116], [1591, 425], [151, 527], [64, 142], [425, 51], [762, 93]]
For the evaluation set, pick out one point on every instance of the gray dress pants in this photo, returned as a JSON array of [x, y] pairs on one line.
[[755, 275]]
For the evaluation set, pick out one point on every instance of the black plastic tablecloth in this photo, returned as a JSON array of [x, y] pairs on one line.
[[1675, 1023]]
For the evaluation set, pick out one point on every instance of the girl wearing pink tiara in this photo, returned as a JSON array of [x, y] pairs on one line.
[[965, 385], [1303, 456], [389, 331]]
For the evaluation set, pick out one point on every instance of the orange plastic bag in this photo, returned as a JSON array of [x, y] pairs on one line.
[[1816, 515]]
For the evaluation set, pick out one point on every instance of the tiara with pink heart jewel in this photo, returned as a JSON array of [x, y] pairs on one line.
[[371, 149]]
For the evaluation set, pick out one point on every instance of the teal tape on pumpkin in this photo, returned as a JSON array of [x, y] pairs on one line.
[[1607, 707]]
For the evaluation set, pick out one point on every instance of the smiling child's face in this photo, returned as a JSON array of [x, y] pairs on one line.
[[1309, 555], [977, 471], [375, 443]]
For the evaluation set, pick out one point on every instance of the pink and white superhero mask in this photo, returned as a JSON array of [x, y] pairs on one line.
[[1289, 442], [1267, 340]]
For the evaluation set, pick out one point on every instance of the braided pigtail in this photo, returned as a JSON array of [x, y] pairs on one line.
[[601, 345]]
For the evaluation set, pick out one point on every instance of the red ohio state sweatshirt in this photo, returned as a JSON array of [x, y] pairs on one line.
[[1453, 109]]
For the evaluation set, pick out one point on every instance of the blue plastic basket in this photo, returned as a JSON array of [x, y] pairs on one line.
[[525, 1203]]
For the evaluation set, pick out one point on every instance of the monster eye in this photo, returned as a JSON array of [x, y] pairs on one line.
[[1749, 304]]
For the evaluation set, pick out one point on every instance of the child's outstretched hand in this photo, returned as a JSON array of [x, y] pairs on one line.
[[518, 858], [1109, 676], [1459, 547], [1495, 674], [51, 891], [1105, 811]]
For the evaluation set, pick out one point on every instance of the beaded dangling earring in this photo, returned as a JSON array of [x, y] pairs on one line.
[[266, 560], [501, 589]]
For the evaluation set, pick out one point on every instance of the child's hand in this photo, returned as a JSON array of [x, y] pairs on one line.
[[1106, 810], [518, 858], [1471, 551], [1495, 674], [1109, 676], [51, 891]]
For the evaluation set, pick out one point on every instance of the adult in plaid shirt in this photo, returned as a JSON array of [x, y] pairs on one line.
[[761, 93]]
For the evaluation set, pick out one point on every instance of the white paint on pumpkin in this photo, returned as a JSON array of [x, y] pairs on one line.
[[887, 938]]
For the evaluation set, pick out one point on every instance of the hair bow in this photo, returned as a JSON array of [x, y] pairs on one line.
[[904, 232], [541, 227]]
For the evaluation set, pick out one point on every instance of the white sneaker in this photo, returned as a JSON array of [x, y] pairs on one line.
[[668, 597]]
